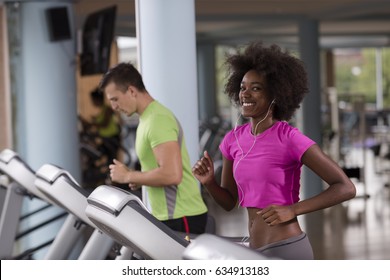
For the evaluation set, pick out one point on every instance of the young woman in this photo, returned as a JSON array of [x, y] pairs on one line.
[[262, 158]]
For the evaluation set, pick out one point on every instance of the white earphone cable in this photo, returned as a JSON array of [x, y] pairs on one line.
[[250, 149]]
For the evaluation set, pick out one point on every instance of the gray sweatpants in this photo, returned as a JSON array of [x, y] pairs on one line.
[[293, 248]]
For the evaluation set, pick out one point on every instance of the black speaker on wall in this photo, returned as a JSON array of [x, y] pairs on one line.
[[58, 23]]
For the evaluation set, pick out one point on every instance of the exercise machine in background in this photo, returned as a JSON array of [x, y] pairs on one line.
[[62, 188], [124, 217], [18, 185]]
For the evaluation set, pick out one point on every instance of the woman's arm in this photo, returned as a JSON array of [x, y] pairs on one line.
[[225, 195], [340, 188]]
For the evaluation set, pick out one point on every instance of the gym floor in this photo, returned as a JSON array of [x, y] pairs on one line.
[[359, 229]]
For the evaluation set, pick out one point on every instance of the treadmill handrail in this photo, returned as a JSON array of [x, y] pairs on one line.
[[116, 204], [51, 172]]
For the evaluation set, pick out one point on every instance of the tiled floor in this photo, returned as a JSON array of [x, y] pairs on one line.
[[358, 229]]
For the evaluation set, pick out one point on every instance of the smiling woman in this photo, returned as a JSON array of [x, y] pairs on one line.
[[262, 159], [254, 98]]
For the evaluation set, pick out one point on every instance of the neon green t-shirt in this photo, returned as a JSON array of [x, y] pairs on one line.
[[158, 125], [112, 128]]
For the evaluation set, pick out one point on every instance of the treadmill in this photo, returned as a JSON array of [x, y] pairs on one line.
[[57, 184], [17, 183], [125, 218]]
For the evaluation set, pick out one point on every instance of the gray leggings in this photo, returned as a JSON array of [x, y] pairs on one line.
[[293, 248]]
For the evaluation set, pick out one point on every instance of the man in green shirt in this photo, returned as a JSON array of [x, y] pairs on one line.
[[173, 193], [106, 125]]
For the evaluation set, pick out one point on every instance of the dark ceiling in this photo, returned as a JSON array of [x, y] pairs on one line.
[[342, 23]]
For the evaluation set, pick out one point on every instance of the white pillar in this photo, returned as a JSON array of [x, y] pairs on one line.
[[47, 103], [43, 85], [167, 58]]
